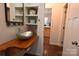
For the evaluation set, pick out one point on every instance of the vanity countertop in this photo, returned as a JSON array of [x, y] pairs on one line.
[[22, 44]]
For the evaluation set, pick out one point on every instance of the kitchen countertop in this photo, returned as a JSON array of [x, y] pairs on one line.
[[47, 26], [21, 44]]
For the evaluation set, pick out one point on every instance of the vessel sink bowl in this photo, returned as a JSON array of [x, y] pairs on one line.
[[25, 35]]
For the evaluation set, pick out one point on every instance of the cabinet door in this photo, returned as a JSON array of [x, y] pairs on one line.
[[31, 4], [15, 10], [12, 12]]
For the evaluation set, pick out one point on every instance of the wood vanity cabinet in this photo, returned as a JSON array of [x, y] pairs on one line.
[[17, 47]]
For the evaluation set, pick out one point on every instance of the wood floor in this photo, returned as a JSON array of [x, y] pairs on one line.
[[51, 50]]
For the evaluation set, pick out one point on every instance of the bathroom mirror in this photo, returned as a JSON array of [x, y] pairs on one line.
[[14, 14]]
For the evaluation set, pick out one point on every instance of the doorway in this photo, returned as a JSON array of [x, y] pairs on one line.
[[53, 50], [49, 50], [64, 21], [47, 25], [47, 22]]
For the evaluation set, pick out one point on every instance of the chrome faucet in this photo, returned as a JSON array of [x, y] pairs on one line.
[[19, 30]]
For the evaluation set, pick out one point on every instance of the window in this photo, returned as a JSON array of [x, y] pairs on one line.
[[46, 21]]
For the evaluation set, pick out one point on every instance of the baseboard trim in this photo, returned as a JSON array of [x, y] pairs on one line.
[[54, 44]]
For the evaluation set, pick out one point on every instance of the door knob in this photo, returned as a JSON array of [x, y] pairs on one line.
[[75, 43]]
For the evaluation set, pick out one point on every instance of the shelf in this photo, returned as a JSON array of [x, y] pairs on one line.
[[19, 18], [31, 15], [16, 20], [31, 10], [31, 23], [31, 19], [18, 4], [19, 15]]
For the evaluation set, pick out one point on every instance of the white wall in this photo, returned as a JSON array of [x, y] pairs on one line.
[[71, 30], [6, 33], [56, 22]]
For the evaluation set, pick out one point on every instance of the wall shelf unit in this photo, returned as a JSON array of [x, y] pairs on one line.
[[31, 17], [31, 24]]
